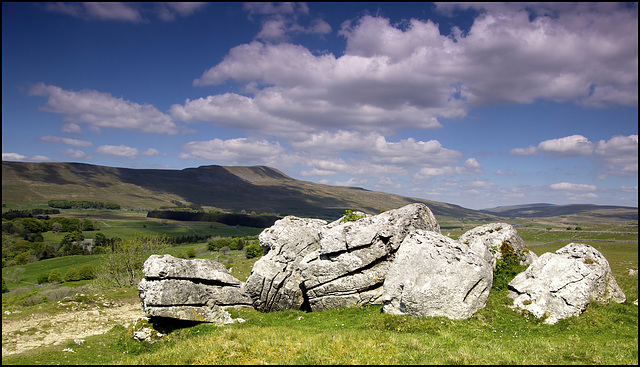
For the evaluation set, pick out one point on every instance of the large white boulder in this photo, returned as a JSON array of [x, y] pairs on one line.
[[274, 283], [492, 239], [433, 275], [351, 263], [561, 284]]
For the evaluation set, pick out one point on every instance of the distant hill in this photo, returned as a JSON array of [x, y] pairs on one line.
[[253, 188], [500, 209], [575, 211]]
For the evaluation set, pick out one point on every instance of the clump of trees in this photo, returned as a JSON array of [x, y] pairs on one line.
[[236, 243], [23, 242], [231, 219], [85, 272], [81, 204]]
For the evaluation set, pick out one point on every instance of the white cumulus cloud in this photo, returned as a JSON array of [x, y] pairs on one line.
[[572, 186], [68, 141], [620, 155], [574, 145], [102, 110], [408, 75], [119, 151], [234, 151]]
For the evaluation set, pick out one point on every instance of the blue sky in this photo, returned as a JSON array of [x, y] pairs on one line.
[[479, 105]]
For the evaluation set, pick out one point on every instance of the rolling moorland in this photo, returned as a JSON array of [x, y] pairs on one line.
[[80, 322], [257, 189]]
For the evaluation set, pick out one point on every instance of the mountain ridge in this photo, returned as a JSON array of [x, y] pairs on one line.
[[251, 188]]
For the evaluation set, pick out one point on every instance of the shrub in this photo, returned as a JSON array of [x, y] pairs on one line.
[[123, 261], [71, 275], [506, 268], [191, 252], [13, 276], [4, 286], [350, 216], [217, 244], [237, 244], [43, 278], [55, 276], [25, 258], [253, 250], [87, 271]]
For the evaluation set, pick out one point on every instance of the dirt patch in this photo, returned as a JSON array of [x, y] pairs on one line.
[[37, 330]]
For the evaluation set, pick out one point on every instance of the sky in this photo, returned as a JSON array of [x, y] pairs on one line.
[[475, 104]]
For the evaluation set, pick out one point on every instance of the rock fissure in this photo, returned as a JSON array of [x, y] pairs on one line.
[[198, 281], [471, 290], [352, 273]]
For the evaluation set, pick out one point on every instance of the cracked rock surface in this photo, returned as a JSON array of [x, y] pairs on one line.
[[314, 265], [561, 284], [452, 281], [351, 263], [274, 283], [196, 290]]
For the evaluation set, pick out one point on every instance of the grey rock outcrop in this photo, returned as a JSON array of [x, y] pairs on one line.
[[433, 275], [274, 283], [196, 290], [351, 263], [490, 241], [312, 264], [561, 284]]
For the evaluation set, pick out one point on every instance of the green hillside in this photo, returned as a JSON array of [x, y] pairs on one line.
[[235, 188]]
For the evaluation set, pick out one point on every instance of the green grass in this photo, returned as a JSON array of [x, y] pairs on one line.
[[33, 270], [603, 334]]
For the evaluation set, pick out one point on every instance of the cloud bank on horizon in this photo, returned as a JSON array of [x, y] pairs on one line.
[[474, 104]]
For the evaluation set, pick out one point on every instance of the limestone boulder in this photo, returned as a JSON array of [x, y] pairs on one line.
[[197, 290], [433, 275], [275, 280], [492, 239], [561, 284], [350, 265]]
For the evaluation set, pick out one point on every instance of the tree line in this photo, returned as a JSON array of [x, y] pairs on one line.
[[230, 219], [81, 204]]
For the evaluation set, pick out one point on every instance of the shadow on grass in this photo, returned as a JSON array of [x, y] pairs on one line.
[[167, 325]]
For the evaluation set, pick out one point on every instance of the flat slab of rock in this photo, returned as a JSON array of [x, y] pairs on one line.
[[561, 284], [433, 275], [169, 267], [196, 290]]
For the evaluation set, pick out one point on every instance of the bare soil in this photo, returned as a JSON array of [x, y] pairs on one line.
[[70, 323]]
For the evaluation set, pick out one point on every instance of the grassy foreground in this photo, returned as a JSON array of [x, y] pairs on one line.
[[603, 334]]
